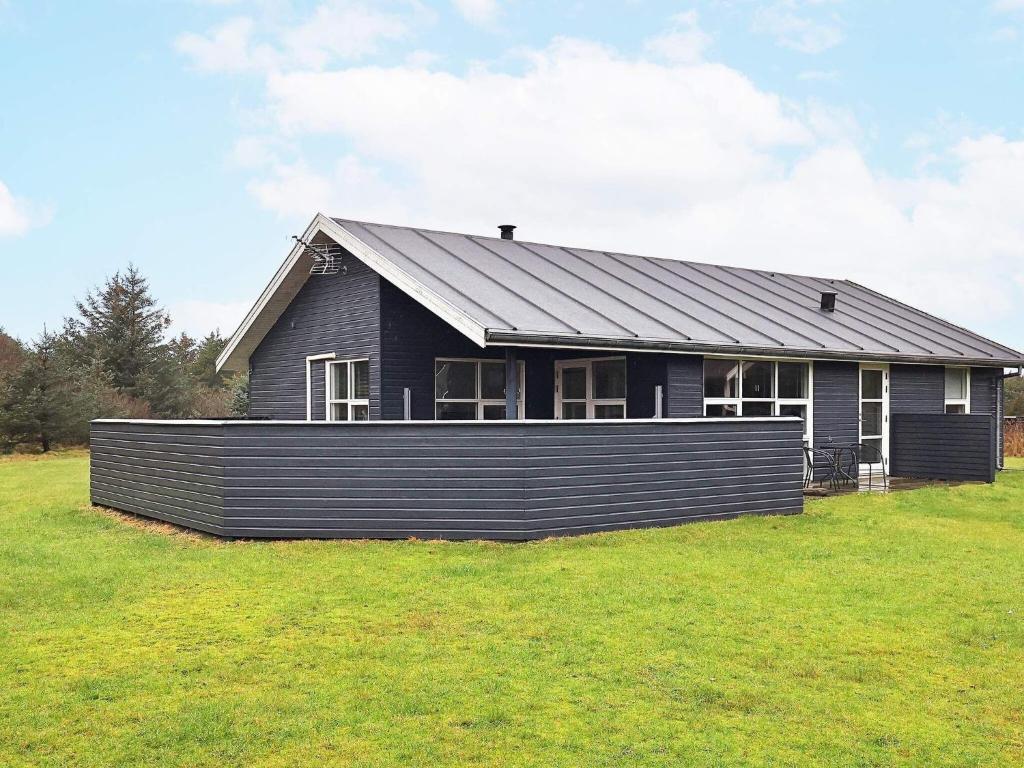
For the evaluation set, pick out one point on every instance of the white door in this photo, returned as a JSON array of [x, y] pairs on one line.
[[874, 408]]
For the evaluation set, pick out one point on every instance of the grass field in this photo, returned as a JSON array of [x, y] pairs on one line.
[[868, 631]]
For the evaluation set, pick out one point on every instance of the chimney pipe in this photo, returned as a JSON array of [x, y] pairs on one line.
[[506, 231], [828, 301]]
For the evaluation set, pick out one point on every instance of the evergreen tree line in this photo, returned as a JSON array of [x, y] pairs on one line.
[[112, 359]]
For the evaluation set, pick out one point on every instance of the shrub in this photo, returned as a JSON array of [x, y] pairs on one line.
[[1013, 437]]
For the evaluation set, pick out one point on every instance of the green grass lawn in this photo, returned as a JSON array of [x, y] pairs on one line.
[[868, 631]]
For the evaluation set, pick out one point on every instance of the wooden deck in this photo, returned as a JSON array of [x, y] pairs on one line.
[[895, 484]]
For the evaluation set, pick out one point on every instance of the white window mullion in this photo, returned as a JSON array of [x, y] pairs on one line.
[[478, 402], [349, 402]]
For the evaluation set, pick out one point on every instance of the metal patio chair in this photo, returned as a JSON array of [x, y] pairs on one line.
[[871, 456], [815, 459]]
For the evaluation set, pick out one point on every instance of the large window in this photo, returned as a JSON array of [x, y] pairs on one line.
[[472, 389], [758, 388], [958, 390], [590, 389], [348, 390]]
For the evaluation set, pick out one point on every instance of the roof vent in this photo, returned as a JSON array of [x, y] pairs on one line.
[[828, 301], [506, 231]]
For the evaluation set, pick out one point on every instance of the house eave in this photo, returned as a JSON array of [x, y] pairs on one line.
[[245, 339], [496, 337]]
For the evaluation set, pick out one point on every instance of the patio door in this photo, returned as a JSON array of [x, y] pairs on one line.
[[874, 408], [590, 389]]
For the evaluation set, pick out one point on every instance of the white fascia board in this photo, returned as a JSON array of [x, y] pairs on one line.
[[448, 312], [375, 261], [275, 283]]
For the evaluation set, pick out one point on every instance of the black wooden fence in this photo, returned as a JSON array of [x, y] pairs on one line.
[[943, 446], [497, 480]]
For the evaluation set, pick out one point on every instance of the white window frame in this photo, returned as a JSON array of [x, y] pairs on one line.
[[591, 402], [350, 401], [776, 401], [480, 401], [310, 359], [964, 401]]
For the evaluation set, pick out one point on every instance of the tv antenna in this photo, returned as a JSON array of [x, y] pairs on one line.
[[326, 257]]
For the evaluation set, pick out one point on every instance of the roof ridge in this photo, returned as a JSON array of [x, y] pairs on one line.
[[586, 249]]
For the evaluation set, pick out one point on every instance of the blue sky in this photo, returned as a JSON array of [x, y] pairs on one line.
[[876, 141]]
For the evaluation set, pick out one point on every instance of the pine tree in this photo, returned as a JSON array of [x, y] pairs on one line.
[[12, 355], [121, 326], [238, 385], [204, 365], [39, 402]]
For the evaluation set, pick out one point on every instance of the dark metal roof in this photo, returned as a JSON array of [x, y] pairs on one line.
[[521, 292]]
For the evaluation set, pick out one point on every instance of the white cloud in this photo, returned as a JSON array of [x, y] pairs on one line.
[[481, 12], [1008, 6], [226, 48], [586, 146], [1005, 35], [792, 26], [685, 159], [684, 43], [343, 31], [338, 30], [17, 215], [198, 318]]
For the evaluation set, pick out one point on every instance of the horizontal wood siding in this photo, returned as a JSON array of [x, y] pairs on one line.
[[917, 389], [598, 477], [836, 404], [170, 472], [331, 313], [684, 389], [411, 337], [511, 480], [374, 481], [986, 398], [943, 447]]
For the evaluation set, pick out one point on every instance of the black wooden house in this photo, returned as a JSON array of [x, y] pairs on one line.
[[412, 382]]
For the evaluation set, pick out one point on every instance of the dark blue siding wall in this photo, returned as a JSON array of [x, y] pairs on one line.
[[337, 313], [917, 389], [836, 410], [411, 337], [684, 390], [587, 477], [941, 447], [987, 399], [171, 471], [513, 480]]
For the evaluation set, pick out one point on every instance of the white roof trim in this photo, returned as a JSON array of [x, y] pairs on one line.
[[448, 312], [324, 224]]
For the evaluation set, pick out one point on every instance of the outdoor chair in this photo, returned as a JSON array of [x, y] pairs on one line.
[[871, 456], [815, 459]]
